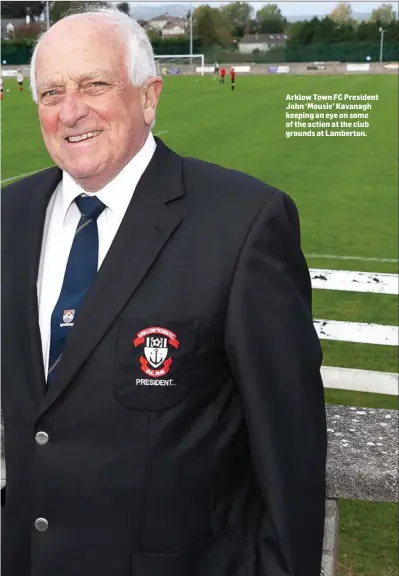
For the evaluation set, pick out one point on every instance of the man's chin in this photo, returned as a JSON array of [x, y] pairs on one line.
[[83, 171], [90, 178]]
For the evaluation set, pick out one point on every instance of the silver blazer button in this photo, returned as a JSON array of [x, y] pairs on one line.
[[41, 524], [41, 438]]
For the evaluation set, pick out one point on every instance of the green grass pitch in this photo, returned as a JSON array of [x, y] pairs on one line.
[[346, 192]]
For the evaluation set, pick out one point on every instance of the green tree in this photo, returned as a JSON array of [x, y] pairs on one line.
[[345, 32], [19, 9], [325, 31], [270, 19], [209, 28], [205, 25], [269, 12], [367, 32], [236, 16], [153, 33], [59, 9], [124, 7], [271, 27], [342, 13], [384, 14], [303, 33], [392, 31], [251, 27]]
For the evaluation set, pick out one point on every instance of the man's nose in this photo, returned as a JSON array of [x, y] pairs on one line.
[[73, 108]]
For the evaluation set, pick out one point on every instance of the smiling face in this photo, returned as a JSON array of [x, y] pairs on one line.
[[93, 120]]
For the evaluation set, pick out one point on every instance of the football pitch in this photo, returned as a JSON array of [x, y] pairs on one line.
[[346, 193]]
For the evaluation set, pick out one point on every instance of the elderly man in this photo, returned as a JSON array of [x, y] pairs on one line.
[[163, 406]]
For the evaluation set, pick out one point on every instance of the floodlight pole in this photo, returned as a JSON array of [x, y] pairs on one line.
[[191, 36], [382, 42], [48, 14]]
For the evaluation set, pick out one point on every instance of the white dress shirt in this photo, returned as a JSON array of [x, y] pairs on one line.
[[62, 218]]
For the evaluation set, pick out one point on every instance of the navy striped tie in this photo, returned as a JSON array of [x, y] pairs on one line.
[[79, 274]]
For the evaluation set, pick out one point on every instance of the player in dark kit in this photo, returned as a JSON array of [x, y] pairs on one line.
[[233, 78]]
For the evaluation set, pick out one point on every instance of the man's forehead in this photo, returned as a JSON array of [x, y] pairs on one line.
[[82, 36], [81, 58], [77, 68]]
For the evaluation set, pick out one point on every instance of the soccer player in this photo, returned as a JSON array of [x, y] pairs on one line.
[[222, 75], [1, 88], [217, 68], [233, 78], [20, 80]]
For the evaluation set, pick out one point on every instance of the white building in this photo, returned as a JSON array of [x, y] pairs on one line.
[[173, 30], [159, 21], [261, 42]]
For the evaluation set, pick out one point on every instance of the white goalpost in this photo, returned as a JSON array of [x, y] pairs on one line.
[[187, 59]]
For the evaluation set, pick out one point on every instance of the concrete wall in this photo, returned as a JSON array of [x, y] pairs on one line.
[[332, 68]]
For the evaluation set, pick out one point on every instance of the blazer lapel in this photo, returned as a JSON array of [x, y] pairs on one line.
[[29, 234], [125, 265]]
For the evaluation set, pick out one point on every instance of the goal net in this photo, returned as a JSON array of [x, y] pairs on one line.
[[169, 64]]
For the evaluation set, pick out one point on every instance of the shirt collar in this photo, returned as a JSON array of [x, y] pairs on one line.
[[117, 194]]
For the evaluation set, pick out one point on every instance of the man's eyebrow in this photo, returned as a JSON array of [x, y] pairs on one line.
[[99, 73], [48, 84]]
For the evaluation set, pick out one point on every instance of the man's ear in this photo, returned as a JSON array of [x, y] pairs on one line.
[[150, 96]]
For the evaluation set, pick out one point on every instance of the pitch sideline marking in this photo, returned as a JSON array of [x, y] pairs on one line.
[[23, 175]]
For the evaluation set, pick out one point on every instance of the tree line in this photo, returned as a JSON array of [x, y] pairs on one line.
[[328, 31], [226, 25]]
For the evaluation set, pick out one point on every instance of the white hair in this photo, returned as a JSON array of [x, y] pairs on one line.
[[141, 64]]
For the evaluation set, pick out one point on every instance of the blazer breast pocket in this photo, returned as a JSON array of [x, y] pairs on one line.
[[154, 362]]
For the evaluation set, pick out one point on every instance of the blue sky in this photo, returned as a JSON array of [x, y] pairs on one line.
[[316, 8], [297, 8]]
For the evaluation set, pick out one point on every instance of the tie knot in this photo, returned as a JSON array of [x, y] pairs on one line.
[[90, 206]]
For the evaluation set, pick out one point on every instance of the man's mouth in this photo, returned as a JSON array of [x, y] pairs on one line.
[[85, 136]]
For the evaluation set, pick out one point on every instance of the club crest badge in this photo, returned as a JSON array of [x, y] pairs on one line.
[[155, 360], [67, 318]]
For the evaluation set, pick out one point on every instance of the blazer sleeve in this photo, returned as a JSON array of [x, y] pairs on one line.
[[275, 357]]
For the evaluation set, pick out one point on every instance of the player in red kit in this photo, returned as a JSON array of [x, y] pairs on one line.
[[222, 75], [233, 78]]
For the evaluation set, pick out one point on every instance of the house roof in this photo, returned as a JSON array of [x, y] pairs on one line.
[[263, 38], [160, 18], [168, 18]]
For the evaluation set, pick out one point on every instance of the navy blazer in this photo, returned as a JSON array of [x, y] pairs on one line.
[[184, 431]]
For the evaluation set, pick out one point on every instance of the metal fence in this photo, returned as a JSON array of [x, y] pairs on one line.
[[17, 55]]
